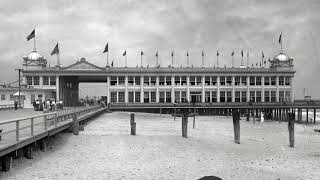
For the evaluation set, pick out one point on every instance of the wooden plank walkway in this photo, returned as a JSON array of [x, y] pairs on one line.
[[32, 129]]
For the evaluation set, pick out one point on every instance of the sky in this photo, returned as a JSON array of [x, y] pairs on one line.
[[82, 28]]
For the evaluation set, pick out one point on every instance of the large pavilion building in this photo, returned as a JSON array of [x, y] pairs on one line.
[[131, 85]]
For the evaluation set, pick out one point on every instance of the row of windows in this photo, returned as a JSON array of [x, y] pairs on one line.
[[35, 80], [3, 97], [197, 80], [210, 96]]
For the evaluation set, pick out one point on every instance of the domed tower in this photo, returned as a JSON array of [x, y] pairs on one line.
[[34, 61], [281, 62]]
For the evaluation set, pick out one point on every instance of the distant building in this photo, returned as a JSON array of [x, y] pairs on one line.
[[165, 84]]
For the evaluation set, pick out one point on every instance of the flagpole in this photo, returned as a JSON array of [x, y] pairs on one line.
[[202, 60], [108, 58], [217, 60], [34, 41], [232, 61], [126, 60], [141, 58], [187, 60]]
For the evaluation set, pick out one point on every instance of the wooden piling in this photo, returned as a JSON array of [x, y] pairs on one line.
[[236, 126], [28, 151], [43, 144], [291, 129], [132, 124], [307, 115], [184, 125], [6, 162], [314, 115], [194, 118], [75, 125]]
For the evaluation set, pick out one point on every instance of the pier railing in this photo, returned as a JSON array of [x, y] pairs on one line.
[[23, 128]]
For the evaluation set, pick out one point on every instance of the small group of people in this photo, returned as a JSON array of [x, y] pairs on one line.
[[48, 105]]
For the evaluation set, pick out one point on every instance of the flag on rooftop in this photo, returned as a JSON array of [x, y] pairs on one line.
[[125, 53], [262, 55], [157, 54], [31, 35], [242, 52], [202, 53], [280, 38], [172, 54], [232, 54], [55, 50], [106, 49], [218, 53], [141, 53], [187, 53]]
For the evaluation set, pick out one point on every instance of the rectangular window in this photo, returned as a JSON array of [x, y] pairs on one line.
[[281, 96], [214, 80], [113, 97], [229, 96], [113, 80], [243, 81], [11, 97], [229, 81], [153, 96], [3, 97], [222, 81], [192, 80], [184, 96], [266, 96], [243, 96], [281, 81], [213, 96], [161, 97], [252, 81], [131, 97], [222, 96], [146, 81], [288, 81], [258, 96], [252, 96], [273, 96], [137, 80], [168, 80], [137, 97], [45, 80], [237, 81], [121, 80], [288, 96], [130, 80], [177, 80], [273, 81], [207, 96], [153, 81], [161, 81], [199, 80], [183, 80], [207, 80], [52, 80], [36, 80], [258, 81], [29, 80], [237, 96], [146, 97], [267, 81], [177, 96], [168, 97], [121, 97]]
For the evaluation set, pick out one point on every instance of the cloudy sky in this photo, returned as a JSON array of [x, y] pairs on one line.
[[83, 27]]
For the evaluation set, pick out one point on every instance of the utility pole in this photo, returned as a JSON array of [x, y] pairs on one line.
[[19, 72]]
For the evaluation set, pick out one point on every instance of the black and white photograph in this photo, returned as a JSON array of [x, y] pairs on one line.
[[159, 90]]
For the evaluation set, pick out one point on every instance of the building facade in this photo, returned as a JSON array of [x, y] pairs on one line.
[[168, 85]]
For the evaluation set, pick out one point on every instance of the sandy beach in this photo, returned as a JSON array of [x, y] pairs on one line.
[[106, 150]]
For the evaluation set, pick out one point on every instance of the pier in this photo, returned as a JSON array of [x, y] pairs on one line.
[[19, 136]]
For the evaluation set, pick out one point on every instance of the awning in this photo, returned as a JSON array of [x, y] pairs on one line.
[[21, 94]]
